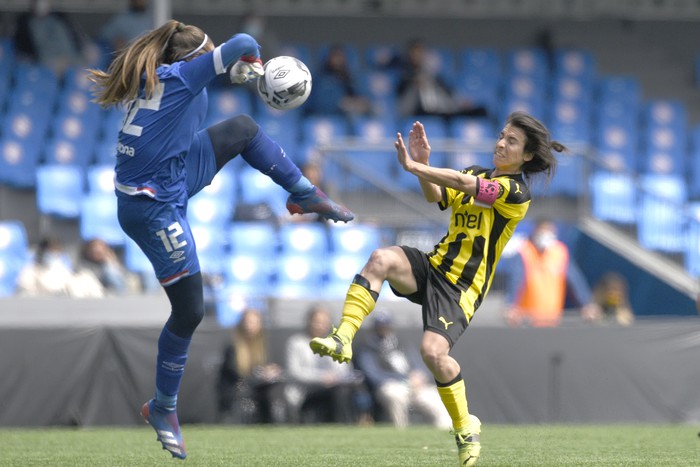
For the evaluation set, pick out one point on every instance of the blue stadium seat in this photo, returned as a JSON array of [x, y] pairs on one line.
[[228, 102], [571, 89], [214, 211], [527, 61], [661, 224], [78, 103], [485, 61], [100, 179], [285, 130], [251, 274], [380, 87], [664, 150], [574, 62], [19, 159], [38, 79], [355, 239], [98, 219], [324, 129], [613, 197], [306, 238], [374, 130], [255, 238], [299, 275], [692, 252], [14, 254], [29, 124], [624, 91], [62, 151], [664, 112], [257, 188], [368, 171], [479, 89], [14, 243], [83, 128], [617, 145], [211, 247], [59, 190], [341, 270], [570, 121]]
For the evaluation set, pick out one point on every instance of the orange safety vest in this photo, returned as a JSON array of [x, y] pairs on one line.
[[542, 294]]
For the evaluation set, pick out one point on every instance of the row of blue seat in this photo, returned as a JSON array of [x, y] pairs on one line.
[[245, 254]]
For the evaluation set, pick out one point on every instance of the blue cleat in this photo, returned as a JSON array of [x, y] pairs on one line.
[[318, 202], [167, 428]]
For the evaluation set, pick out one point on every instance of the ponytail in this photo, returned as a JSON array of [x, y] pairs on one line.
[[120, 83]]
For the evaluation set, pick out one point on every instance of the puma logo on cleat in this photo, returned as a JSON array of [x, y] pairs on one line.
[[445, 322]]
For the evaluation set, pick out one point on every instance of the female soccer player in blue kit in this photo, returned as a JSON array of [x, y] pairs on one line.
[[163, 159]]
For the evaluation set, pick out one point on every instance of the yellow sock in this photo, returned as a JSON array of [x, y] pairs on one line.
[[359, 303], [454, 397]]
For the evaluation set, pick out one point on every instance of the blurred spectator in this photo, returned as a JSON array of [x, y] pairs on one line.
[[256, 24], [127, 25], [610, 294], [423, 88], [48, 37], [52, 273], [99, 258], [251, 388], [398, 382], [541, 276], [320, 389], [334, 88]]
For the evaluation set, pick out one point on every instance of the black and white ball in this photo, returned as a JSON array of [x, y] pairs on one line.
[[286, 83]]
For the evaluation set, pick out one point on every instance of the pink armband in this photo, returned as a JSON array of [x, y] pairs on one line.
[[487, 191]]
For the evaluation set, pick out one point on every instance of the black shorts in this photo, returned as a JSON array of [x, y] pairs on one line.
[[439, 299]]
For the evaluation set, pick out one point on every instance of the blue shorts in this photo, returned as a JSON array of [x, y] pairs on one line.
[[160, 229]]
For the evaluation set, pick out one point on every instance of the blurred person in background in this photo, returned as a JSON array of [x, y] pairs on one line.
[[99, 258], [52, 273], [164, 158], [540, 276], [335, 89], [251, 388], [127, 25], [320, 390], [424, 90], [452, 280], [49, 38], [611, 296], [398, 382]]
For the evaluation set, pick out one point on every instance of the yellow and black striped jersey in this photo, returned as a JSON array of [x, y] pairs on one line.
[[467, 255]]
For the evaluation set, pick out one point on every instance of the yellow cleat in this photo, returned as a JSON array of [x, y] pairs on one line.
[[332, 346], [468, 442]]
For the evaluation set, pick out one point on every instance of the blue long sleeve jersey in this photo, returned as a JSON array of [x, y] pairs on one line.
[[157, 133]]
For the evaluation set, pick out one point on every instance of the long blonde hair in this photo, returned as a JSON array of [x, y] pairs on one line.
[[169, 43], [250, 349]]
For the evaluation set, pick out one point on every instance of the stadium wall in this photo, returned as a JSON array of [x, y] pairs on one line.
[[100, 375]]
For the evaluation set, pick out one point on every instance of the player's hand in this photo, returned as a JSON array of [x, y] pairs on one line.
[[402, 153], [246, 69], [418, 144]]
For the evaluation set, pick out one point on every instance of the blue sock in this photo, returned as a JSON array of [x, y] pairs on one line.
[[172, 355], [268, 157]]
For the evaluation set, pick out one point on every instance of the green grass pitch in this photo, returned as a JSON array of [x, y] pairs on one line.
[[333, 445]]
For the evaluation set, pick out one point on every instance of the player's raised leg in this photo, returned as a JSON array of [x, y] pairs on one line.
[[242, 135]]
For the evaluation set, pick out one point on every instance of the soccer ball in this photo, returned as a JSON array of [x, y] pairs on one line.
[[286, 83]]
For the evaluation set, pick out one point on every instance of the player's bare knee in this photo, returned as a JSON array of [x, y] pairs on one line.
[[379, 263]]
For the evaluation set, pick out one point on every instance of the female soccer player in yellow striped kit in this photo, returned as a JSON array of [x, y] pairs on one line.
[[451, 281]]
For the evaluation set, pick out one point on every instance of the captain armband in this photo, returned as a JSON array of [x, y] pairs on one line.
[[487, 191]]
